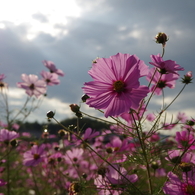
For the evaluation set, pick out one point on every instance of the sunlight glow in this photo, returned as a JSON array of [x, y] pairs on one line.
[[49, 17]]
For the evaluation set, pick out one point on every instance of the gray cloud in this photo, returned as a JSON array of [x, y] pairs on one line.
[[40, 17], [104, 29]]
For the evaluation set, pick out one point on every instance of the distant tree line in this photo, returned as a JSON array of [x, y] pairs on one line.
[[53, 128]]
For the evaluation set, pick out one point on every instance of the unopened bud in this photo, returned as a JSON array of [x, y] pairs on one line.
[[14, 142], [190, 123], [50, 114], [84, 97], [187, 78], [185, 167], [62, 133], [75, 108], [161, 38], [154, 165]]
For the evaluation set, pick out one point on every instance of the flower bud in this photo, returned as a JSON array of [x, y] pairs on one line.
[[14, 142], [50, 114], [154, 165], [79, 114], [75, 108], [190, 122], [62, 133], [75, 188], [185, 167], [84, 175], [161, 38], [102, 171], [109, 150], [187, 78], [84, 97]]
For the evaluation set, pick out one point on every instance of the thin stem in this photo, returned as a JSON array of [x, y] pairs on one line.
[[8, 173], [35, 182], [175, 97], [144, 154], [163, 51], [87, 144]]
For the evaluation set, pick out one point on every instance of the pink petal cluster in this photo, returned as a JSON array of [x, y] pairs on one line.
[[115, 87], [176, 186], [51, 66], [6, 135], [167, 66], [34, 156], [161, 81], [32, 85], [50, 78]]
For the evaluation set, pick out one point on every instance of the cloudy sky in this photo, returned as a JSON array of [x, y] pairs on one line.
[[72, 33]]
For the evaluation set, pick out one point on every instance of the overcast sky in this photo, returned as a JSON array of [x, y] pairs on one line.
[[72, 33]]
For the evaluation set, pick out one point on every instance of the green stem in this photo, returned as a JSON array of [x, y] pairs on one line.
[[144, 154], [163, 52], [35, 182], [8, 173]]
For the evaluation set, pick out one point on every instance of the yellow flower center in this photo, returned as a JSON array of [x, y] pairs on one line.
[[119, 86], [36, 156], [190, 189]]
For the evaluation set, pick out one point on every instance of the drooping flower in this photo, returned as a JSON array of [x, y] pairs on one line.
[[51, 66], [175, 186], [116, 86], [32, 85], [165, 67], [50, 78], [34, 156], [161, 81]]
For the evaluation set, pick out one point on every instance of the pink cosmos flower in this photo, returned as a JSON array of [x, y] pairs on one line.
[[116, 86], [182, 117], [32, 85], [51, 66], [161, 81], [6, 135], [177, 157], [154, 137], [2, 183], [50, 78], [175, 186], [185, 139], [111, 178], [90, 134], [117, 145], [150, 117], [34, 156], [74, 156], [165, 67]]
